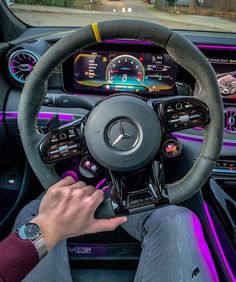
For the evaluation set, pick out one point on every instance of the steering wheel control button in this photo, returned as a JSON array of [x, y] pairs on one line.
[[170, 109], [123, 133], [63, 149], [62, 136], [64, 143], [179, 106], [187, 113], [72, 133], [171, 148], [54, 152]]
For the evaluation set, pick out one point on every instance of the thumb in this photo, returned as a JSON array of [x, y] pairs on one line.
[[101, 225]]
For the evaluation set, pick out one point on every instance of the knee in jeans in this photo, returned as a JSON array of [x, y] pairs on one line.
[[170, 217]]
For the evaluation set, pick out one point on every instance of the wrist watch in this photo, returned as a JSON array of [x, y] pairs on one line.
[[31, 232]]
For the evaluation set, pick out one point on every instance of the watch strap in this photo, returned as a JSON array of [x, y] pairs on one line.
[[40, 246]]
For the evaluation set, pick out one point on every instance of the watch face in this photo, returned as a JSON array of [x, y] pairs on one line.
[[29, 231]]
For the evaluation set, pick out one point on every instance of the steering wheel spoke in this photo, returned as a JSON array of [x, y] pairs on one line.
[[138, 191], [182, 113], [65, 142]]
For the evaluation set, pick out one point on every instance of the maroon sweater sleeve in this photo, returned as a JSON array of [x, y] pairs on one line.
[[17, 258]]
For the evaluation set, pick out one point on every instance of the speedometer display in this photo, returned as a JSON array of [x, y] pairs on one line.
[[125, 69], [114, 72]]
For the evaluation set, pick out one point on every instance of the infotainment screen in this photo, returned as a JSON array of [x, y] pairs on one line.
[[113, 71], [226, 74]]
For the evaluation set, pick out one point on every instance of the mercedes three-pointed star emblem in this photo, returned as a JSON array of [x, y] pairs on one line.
[[123, 135]]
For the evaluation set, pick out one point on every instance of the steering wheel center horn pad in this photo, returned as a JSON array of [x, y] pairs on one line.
[[123, 133]]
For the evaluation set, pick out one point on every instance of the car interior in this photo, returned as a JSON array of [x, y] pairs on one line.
[[131, 107]]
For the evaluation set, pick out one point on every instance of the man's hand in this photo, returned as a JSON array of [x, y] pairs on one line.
[[67, 210]]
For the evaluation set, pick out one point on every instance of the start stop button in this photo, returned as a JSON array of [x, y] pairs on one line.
[[171, 148]]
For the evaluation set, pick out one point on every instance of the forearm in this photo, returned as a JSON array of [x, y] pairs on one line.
[[17, 258]]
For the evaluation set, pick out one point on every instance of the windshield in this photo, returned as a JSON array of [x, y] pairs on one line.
[[206, 15]]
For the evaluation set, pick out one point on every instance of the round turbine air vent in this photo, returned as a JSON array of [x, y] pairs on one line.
[[21, 63], [230, 120]]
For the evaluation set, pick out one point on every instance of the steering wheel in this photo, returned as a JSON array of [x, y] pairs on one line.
[[124, 133]]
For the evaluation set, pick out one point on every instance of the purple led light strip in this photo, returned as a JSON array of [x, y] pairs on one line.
[[143, 42], [129, 41], [203, 248], [224, 259], [216, 47], [42, 115], [100, 183], [1, 116]]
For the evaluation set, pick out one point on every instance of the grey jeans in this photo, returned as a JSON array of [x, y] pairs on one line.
[[173, 248]]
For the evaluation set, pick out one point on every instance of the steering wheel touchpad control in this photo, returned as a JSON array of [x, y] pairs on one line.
[[184, 113], [61, 144]]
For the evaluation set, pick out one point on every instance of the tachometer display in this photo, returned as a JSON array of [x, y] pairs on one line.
[[125, 69]]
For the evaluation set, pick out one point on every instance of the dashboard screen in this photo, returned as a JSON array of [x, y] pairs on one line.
[[226, 75], [112, 72]]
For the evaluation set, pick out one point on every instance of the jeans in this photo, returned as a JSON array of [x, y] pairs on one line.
[[173, 248]]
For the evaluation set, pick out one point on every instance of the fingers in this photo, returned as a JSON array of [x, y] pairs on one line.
[[101, 225], [65, 182], [78, 185], [96, 198], [86, 190]]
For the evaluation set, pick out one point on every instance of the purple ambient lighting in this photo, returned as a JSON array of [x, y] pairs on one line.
[[100, 183], [203, 248], [43, 115], [141, 42], [1, 116], [216, 47], [217, 241], [61, 116], [105, 189], [129, 41], [198, 128], [71, 173]]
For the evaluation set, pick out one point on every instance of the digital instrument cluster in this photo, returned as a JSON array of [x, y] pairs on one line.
[[113, 71]]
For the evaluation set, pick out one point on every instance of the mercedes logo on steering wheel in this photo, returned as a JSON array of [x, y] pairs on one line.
[[123, 135]]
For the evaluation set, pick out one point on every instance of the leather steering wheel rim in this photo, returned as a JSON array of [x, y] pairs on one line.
[[181, 51]]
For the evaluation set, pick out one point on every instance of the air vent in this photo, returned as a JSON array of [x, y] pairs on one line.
[[21, 63], [230, 120]]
